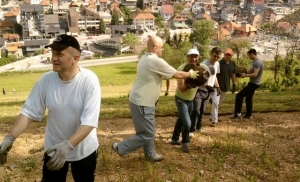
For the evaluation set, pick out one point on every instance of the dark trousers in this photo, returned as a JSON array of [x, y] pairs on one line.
[[82, 170], [200, 102], [247, 92]]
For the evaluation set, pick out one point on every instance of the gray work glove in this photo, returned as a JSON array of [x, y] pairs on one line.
[[58, 160], [5, 146]]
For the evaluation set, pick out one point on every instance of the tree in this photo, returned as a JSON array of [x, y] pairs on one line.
[[18, 29], [130, 40], [115, 18], [223, 44], [102, 27], [290, 64], [81, 7], [175, 39], [180, 38], [167, 54], [167, 32], [238, 45], [127, 15], [202, 32], [176, 57], [178, 7], [159, 21], [139, 4], [50, 11], [168, 40]]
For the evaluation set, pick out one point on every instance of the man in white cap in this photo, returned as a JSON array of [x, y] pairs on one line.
[[184, 97]]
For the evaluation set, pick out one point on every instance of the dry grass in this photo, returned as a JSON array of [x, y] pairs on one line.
[[262, 149]]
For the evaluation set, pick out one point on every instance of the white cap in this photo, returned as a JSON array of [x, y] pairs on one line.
[[193, 51]]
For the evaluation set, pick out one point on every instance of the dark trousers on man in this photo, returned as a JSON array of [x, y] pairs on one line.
[[200, 102], [247, 92], [82, 170]]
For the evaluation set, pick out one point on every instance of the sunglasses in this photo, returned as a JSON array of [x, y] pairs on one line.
[[216, 56]]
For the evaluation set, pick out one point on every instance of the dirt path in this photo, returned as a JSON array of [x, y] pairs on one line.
[[265, 148]]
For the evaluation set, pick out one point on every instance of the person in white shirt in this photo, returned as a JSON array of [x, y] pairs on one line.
[[72, 96], [205, 92], [151, 70]]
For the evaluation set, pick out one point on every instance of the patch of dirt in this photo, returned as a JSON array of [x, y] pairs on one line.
[[265, 148]]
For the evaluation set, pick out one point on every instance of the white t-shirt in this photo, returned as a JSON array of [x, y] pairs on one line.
[[70, 104], [211, 80], [147, 86]]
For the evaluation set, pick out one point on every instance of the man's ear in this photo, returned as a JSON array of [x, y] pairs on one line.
[[76, 57]]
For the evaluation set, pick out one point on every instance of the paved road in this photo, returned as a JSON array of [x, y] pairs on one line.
[[35, 63]]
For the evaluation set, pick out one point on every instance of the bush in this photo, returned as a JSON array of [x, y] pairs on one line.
[[39, 52], [270, 85], [4, 61]]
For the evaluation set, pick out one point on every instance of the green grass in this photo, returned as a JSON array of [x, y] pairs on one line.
[[116, 81]]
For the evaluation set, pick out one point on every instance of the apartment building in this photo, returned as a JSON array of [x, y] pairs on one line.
[[227, 13], [166, 11], [102, 5], [151, 4], [7, 26], [52, 26], [88, 19], [177, 22], [32, 20], [72, 20], [13, 15], [1, 13], [45, 4], [144, 20], [260, 15], [131, 4]]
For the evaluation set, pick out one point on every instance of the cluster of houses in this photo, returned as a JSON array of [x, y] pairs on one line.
[[42, 20]]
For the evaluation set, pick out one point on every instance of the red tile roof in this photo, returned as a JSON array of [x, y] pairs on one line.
[[246, 28], [167, 9], [283, 25], [73, 4], [230, 26], [144, 16], [187, 4], [13, 12], [44, 3], [177, 17]]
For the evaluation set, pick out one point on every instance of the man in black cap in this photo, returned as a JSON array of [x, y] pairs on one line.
[[72, 96]]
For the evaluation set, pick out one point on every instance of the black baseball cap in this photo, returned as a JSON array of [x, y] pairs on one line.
[[63, 41]]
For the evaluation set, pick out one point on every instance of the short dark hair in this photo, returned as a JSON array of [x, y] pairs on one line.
[[252, 51], [216, 50]]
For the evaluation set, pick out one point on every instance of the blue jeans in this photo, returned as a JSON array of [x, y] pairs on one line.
[[183, 122]]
